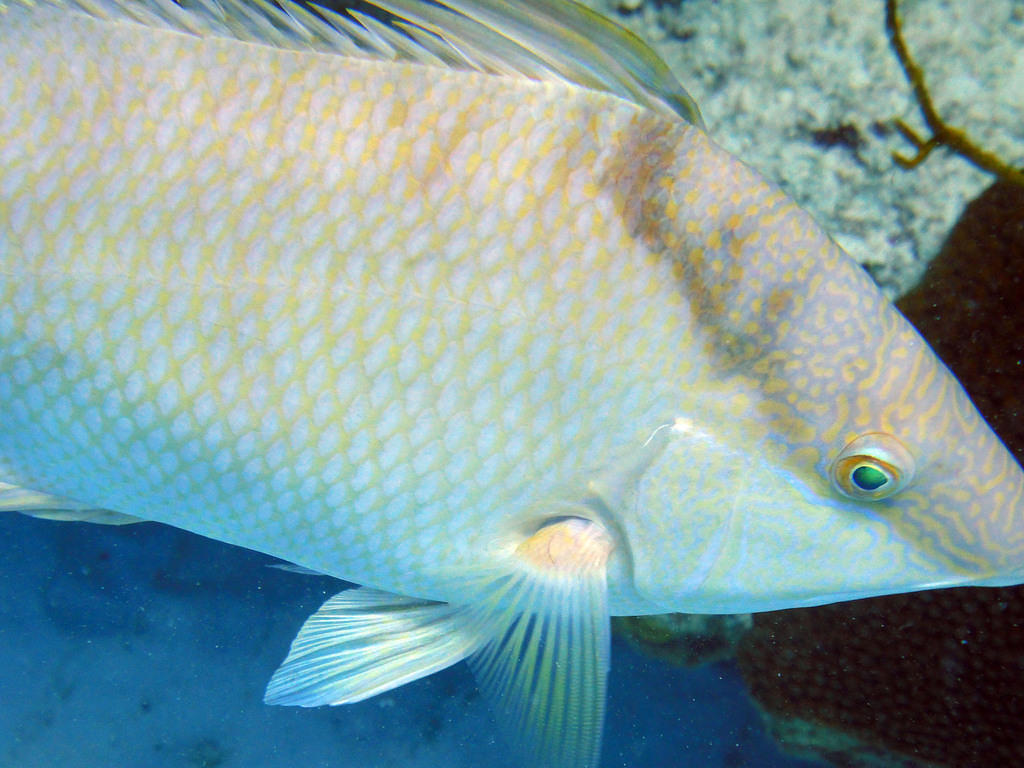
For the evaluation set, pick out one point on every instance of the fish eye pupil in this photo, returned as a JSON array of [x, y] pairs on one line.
[[872, 467], [868, 478]]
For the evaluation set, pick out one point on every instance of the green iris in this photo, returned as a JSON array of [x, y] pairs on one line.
[[869, 478], [872, 467]]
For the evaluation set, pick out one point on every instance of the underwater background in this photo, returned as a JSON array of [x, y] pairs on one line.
[[146, 647]]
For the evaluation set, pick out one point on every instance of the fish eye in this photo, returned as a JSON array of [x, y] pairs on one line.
[[872, 467]]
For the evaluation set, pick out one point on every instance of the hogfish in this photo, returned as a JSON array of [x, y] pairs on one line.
[[466, 308]]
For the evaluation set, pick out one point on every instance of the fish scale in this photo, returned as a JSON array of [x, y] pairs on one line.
[[515, 352]]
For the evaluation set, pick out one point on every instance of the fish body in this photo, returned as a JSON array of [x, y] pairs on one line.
[[499, 348], [346, 322]]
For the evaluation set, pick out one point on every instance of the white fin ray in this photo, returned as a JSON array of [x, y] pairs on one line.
[[442, 51], [545, 665], [14, 498], [388, 38], [322, 29], [546, 677], [578, 44], [487, 52], [491, 50], [363, 642], [261, 19], [368, 43], [557, 40], [300, 570]]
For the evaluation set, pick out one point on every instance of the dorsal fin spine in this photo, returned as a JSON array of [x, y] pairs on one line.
[[535, 39]]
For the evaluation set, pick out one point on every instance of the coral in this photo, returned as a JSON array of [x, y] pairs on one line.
[[812, 741], [943, 134], [682, 638], [933, 678]]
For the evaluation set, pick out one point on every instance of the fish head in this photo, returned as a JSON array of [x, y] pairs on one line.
[[727, 518], [801, 473]]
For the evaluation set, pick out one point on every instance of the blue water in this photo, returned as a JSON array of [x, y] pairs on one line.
[[147, 647]]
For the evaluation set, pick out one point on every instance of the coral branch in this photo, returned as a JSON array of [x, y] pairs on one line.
[[943, 134]]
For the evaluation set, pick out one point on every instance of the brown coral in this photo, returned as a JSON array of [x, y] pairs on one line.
[[934, 676], [686, 639]]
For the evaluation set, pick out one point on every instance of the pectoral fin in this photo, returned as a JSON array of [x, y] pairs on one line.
[[363, 642], [545, 664], [536, 636]]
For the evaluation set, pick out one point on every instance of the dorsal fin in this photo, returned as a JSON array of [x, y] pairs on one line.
[[536, 39], [575, 43]]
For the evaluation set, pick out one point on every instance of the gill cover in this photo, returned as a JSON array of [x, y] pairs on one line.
[[720, 524]]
